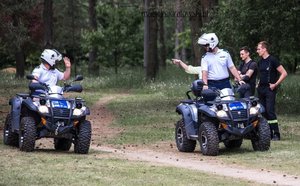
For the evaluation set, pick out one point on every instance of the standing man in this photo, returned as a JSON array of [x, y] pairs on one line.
[[248, 73], [269, 80], [215, 64]]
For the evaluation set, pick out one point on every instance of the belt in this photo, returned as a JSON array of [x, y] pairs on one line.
[[216, 81]]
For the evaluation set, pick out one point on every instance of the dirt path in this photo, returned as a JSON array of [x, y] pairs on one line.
[[166, 154]]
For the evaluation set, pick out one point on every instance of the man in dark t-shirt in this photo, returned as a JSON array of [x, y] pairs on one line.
[[271, 74], [248, 73]]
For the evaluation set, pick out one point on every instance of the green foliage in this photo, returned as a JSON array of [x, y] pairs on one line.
[[239, 23], [119, 37], [15, 28]]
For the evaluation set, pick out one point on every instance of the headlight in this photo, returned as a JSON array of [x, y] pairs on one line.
[[254, 110], [79, 112], [43, 109], [222, 114]]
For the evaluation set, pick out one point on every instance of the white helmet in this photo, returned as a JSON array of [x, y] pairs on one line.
[[51, 56], [209, 39]]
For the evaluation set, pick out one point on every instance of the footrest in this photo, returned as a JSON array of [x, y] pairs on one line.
[[193, 136]]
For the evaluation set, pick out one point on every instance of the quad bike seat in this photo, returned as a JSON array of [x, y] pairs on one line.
[[23, 95]]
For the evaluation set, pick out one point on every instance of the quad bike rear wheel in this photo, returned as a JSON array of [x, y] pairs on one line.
[[27, 134], [182, 142], [83, 138], [208, 139], [9, 137]]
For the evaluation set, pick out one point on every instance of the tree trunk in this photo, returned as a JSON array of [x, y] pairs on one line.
[[178, 29], [162, 50], [206, 7], [93, 65], [20, 63], [19, 53], [195, 25], [48, 24], [152, 66], [146, 33]]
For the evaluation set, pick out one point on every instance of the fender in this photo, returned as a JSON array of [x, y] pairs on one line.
[[29, 104], [262, 109], [190, 118], [204, 109], [16, 103], [87, 111]]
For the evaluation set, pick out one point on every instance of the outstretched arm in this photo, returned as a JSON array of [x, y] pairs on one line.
[[179, 63], [188, 68]]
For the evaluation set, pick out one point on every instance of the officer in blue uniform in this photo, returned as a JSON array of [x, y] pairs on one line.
[[215, 64], [46, 71]]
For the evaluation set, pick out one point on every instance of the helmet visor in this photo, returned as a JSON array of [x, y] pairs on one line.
[[205, 46]]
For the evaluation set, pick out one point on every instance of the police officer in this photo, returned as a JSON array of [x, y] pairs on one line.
[[46, 71], [268, 68], [215, 64]]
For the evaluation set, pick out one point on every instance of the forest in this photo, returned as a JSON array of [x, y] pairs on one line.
[[102, 34], [124, 51]]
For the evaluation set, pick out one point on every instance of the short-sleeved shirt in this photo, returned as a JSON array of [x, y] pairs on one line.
[[50, 77], [194, 70], [217, 64], [268, 70], [244, 67]]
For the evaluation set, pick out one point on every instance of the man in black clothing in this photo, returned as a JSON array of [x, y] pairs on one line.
[[271, 74], [248, 73]]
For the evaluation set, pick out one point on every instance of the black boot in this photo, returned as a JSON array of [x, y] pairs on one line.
[[276, 135], [271, 130]]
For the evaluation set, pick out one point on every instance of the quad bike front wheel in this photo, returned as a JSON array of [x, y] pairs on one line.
[[27, 134], [208, 139], [182, 142], [262, 140], [9, 137], [83, 139], [62, 144]]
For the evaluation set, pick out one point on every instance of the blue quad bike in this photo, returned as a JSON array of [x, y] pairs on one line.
[[215, 116], [46, 113]]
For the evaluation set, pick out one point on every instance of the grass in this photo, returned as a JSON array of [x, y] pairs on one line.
[[44, 167], [147, 116]]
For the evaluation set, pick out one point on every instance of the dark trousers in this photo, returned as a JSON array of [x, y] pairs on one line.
[[219, 84], [246, 90], [267, 98]]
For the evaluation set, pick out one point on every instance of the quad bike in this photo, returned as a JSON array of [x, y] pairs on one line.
[[215, 116], [46, 113]]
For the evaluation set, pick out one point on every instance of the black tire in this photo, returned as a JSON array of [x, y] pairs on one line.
[[27, 134], [9, 137], [233, 144], [62, 144], [83, 139], [263, 140], [208, 139], [182, 142]]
